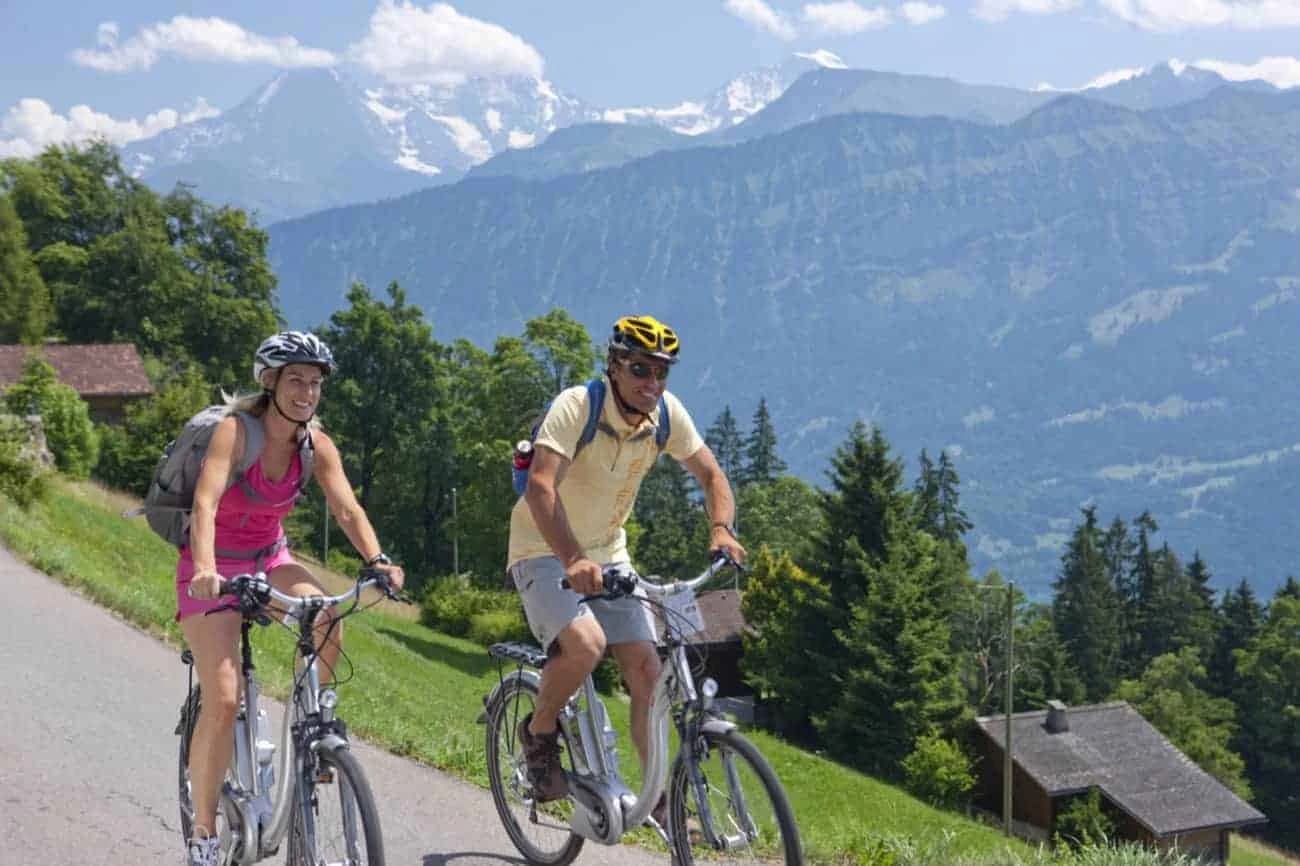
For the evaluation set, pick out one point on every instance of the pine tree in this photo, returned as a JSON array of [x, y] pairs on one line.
[[953, 522], [1086, 610], [1270, 723], [926, 496], [1240, 615], [762, 464], [1119, 551], [674, 529], [900, 680], [865, 488], [723, 438]]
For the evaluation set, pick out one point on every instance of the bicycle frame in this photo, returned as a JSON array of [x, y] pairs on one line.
[[607, 807], [264, 814]]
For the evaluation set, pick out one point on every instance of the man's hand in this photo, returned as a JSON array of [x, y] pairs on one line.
[[205, 584], [585, 577], [720, 538]]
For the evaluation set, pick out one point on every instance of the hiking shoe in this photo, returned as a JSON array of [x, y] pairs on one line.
[[542, 753], [205, 851]]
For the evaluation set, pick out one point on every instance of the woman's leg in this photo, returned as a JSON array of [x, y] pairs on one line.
[[214, 642], [292, 579]]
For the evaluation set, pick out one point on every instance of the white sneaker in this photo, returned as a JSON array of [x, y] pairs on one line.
[[203, 852]]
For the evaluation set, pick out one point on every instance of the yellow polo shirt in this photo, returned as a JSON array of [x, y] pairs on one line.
[[599, 488]]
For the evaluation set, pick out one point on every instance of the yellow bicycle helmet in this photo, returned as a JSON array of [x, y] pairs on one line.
[[647, 335]]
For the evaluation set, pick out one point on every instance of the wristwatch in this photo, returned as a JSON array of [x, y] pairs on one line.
[[731, 530], [378, 559]]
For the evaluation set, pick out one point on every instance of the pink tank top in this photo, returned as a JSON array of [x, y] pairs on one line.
[[245, 523]]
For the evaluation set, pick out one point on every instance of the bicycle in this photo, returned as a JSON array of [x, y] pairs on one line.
[[722, 793], [316, 792]]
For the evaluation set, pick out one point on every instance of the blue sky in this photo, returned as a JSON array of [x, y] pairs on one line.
[[70, 69]]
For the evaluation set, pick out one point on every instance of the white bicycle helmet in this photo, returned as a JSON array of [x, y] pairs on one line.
[[291, 347]]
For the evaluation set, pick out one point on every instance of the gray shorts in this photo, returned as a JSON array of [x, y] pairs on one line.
[[550, 607]]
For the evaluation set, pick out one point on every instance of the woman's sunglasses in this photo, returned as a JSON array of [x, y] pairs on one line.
[[642, 370]]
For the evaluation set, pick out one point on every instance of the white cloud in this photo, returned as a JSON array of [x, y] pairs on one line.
[[1278, 71], [437, 45], [211, 39], [32, 125], [997, 10], [921, 13], [844, 18], [976, 417], [1169, 15], [757, 13]]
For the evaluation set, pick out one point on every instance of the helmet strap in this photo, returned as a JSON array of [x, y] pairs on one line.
[[623, 406], [275, 400]]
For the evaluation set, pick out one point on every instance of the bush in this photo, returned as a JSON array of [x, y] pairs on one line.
[[22, 478], [450, 605], [68, 429], [938, 771], [1083, 823], [494, 626], [344, 561]]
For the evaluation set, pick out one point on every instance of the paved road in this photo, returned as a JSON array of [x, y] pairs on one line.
[[88, 758]]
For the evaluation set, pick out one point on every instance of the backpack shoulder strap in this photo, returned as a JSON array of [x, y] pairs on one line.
[[307, 458], [254, 439], [665, 428], [595, 403]]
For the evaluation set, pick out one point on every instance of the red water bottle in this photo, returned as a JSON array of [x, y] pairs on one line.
[[522, 460]]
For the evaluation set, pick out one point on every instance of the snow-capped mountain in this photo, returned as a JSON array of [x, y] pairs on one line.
[[1165, 84], [740, 98], [313, 139]]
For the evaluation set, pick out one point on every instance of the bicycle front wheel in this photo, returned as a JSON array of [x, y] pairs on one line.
[[724, 801], [335, 821], [539, 830]]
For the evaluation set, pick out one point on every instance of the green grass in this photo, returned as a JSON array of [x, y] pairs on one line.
[[418, 693]]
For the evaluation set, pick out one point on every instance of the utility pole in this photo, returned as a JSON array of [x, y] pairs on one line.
[[1007, 766], [455, 535], [325, 533]]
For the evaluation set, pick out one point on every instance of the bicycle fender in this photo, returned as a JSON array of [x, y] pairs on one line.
[[714, 725], [530, 677], [329, 743]]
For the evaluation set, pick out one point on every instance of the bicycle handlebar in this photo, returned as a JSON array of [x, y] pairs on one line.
[[257, 590], [621, 580]]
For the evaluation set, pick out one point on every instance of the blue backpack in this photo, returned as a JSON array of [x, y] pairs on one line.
[[595, 402]]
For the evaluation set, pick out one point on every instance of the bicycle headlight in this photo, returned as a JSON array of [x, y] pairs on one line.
[[709, 689], [329, 699]]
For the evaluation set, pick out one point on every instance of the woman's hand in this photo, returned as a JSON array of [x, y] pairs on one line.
[[396, 577], [205, 584]]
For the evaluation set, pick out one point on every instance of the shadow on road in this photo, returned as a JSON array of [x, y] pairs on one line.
[[465, 858]]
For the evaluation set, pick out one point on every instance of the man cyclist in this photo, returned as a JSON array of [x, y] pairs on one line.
[[569, 524]]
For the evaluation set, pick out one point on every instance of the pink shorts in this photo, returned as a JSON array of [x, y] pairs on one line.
[[186, 606]]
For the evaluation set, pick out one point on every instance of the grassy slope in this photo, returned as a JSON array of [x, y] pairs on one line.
[[418, 692]]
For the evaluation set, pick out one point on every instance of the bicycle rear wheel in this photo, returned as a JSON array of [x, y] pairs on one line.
[[335, 820], [539, 830], [745, 808]]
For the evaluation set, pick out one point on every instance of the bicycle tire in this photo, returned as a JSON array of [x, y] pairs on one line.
[[348, 792], [508, 780], [777, 832]]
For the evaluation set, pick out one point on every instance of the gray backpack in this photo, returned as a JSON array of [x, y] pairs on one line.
[[170, 499]]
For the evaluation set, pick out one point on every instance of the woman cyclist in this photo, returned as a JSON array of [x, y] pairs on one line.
[[236, 527]]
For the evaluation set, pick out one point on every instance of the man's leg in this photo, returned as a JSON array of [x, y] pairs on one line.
[[639, 662], [581, 645]]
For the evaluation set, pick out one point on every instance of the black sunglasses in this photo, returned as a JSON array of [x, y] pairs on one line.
[[642, 370]]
